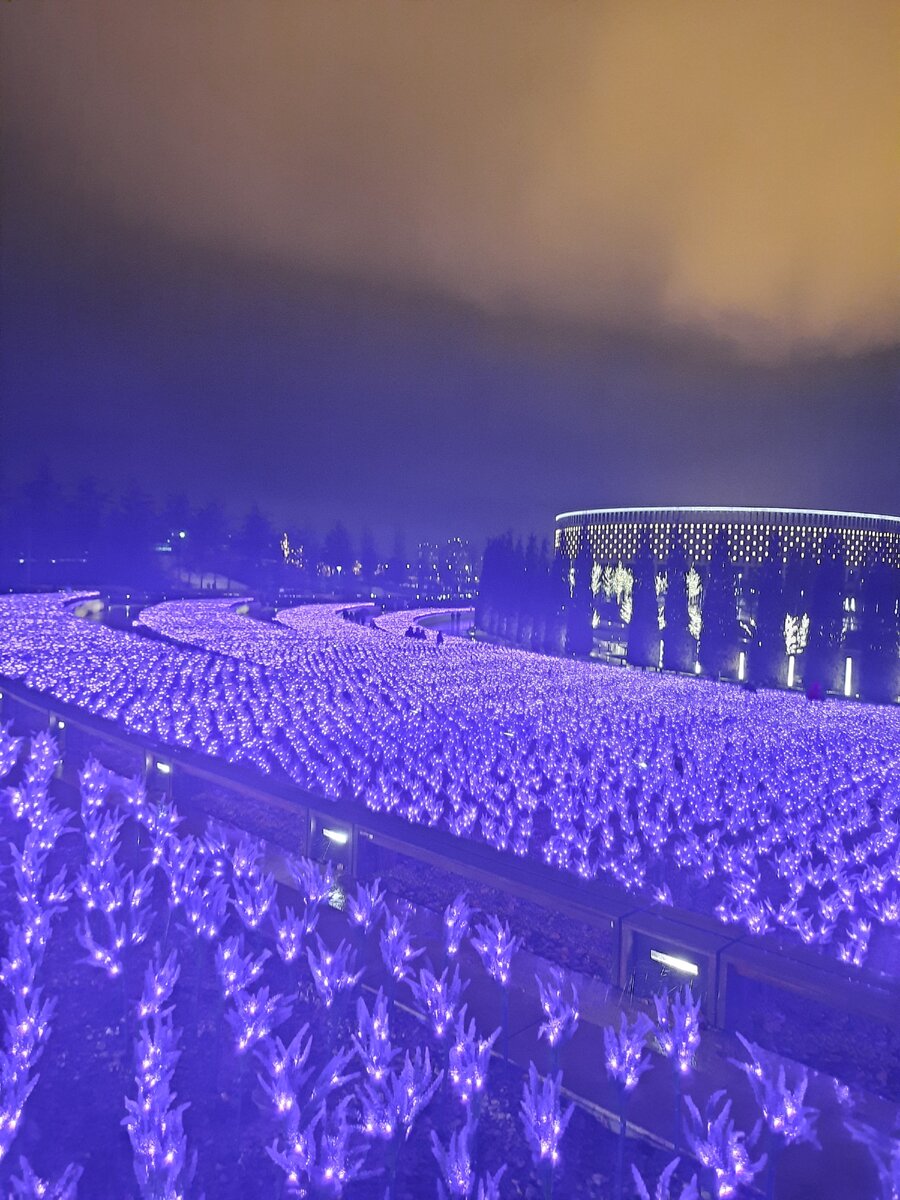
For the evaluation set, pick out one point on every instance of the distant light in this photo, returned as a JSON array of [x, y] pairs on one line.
[[742, 666], [790, 680], [339, 836], [848, 677], [182, 533], [60, 724], [684, 965], [164, 768]]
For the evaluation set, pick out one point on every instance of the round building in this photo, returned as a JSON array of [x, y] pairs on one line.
[[782, 597], [617, 534]]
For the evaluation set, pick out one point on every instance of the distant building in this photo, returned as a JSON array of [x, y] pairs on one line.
[[445, 571]]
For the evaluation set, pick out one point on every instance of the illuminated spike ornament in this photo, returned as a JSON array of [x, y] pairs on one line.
[[397, 950], [27, 1027], [439, 999], [626, 1059], [116, 904], [367, 907], [544, 1120], [391, 1106], [678, 1037], [238, 969], [455, 1163], [321, 1156], [153, 1120], [315, 881], [292, 932], [28, 1185], [470, 1057], [253, 897], [333, 970], [10, 749], [159, 983], [205, 907], [253, 1015], [626, 1051], [373, 1038], [458, 1178], [885, 1154], [722, 1150], [495, 946], [284, 1070], [457, 919], [559, 1004], [664, 1187], [788, 1120], [287, 1079]]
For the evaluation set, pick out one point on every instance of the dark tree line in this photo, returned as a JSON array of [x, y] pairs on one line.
[[523, 595], [532, 598], [53, 536]]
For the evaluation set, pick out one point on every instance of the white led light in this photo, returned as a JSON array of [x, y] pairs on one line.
[[684, 965], [339, 836], [163, 768], [848, 677]]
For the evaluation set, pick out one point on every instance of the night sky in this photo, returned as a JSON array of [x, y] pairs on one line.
[[453, 267]]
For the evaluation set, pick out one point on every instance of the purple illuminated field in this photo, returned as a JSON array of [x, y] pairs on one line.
[[176, 1024], [769, 810]]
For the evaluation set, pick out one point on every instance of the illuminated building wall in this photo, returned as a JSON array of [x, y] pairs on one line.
[[615, 535]]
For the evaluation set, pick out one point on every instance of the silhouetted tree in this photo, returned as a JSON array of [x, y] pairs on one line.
[[86, 524], [643, 628], [176, 516], [486, 600], [207, 548], [514, 587], [530, 599], [257, 551], [879, 634], [768, 656], [580, 610], [397, 569], [823, 658], [337, 551], [556, 601], [174, 528], [539, 592], [679, 647], [132, 525], [720, 631], [39, 523], [368, 555]]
